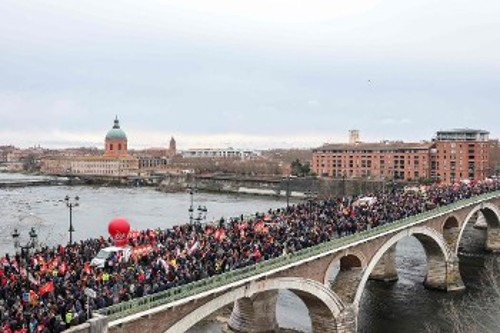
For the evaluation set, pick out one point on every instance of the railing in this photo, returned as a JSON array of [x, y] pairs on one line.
[[194, 288]]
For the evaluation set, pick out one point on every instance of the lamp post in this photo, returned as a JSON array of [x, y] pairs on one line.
[[202, 214], [343, 184], [25, 248], [287, 191], [70, 204], [310, 198], [202, 210], [191, 209]]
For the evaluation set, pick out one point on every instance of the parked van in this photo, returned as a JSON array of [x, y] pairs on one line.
[[123, 254]]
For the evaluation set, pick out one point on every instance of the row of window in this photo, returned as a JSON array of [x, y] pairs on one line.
[[365, 164], [368, 173], [372, 151]]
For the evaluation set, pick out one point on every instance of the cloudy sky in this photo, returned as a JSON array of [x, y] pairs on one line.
[[246, 73]]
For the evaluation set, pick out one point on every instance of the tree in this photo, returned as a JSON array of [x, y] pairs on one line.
[[299, 169], [30, 163]]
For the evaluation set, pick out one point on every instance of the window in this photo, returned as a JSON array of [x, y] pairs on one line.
[[110, 146]]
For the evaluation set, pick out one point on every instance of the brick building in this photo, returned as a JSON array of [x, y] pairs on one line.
[[451, 156], [460, 154], [386, 160]]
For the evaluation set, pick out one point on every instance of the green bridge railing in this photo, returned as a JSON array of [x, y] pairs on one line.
[[144, 303]]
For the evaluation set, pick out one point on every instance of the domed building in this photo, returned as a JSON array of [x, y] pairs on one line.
[[116, 160], [116, 141]]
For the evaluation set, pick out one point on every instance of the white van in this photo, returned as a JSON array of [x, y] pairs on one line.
[[104, 254]]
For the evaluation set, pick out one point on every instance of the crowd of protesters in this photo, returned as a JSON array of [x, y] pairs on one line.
[[44, 292]]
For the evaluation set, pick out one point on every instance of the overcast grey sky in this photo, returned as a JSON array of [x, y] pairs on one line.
[[246, 73]]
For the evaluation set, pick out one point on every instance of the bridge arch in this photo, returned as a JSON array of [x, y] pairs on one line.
[[437, 252], [450, 229], [326, 302], [451, 221], [491, 214], [342, 273], [345, 261]]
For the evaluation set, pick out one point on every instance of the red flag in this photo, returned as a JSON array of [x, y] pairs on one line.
[[46, 288]]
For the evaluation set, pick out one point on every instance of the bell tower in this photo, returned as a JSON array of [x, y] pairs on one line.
[[172, 147]]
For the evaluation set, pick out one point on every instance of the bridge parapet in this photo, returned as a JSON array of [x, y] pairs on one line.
[[240, 277]]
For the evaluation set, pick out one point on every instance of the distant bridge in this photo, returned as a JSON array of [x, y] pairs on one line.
[[333, 304]]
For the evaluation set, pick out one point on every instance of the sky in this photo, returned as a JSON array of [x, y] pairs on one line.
[[255, 74]]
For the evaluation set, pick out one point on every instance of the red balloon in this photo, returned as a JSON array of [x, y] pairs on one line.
[[119, 228]]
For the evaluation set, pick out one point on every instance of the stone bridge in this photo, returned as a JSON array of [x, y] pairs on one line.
[[328, 278]]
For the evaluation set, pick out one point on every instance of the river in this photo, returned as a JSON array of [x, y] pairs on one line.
[[403, 306], [44, 208]]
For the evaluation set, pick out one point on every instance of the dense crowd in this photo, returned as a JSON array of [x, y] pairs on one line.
[[44, 292]]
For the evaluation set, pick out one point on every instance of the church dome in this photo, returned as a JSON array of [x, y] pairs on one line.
[[116, 133]]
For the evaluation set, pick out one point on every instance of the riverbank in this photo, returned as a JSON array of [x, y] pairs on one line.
[[292, 187], [275, 186]]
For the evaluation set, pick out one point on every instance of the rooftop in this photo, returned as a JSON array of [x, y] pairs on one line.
[[464, 130], [376, 146]]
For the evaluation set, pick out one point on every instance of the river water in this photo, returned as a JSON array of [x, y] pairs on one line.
[[403, 306]]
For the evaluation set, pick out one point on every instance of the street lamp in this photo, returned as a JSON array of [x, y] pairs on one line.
[[310, 196], [70, 204], [191, 209], [202, 214], [343, 184], [287, 178], [25, 248]]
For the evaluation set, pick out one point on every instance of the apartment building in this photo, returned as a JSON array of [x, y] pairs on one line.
[[386, 160], [451, 156], [460, 154]]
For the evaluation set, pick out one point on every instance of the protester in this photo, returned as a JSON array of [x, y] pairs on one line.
[[45, 291]]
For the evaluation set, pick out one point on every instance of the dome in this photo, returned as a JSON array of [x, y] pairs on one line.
[[116, 133]]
